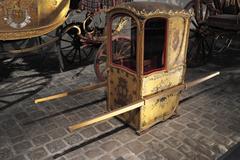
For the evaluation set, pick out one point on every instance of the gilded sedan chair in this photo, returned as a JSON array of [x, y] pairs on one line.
[[146, 64]]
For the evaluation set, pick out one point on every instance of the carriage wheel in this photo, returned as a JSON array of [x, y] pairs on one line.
[[73, 50], [199, 46], [100, 61]]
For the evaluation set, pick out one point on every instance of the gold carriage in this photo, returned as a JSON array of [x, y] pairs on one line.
[[22, 19], [146, 64], [26, 21]]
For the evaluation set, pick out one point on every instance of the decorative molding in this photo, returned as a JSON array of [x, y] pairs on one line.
[[157, 12], [24, 34]]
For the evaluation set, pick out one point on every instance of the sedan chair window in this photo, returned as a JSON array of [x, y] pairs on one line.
[[154, 44], [124, 34]]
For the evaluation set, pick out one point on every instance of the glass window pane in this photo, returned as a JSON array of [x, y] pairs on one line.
[[154, 44], [124, 35]]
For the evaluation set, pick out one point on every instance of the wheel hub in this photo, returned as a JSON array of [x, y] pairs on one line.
[[76, 42]]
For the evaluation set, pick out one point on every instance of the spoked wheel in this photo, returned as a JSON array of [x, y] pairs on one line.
[[199, 46], [74, 51], [100, 61]]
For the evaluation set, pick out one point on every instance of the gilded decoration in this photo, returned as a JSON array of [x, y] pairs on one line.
[[159, 109], [161, 80], [158, 10], [144, 13], [21, 19], [176, 53], [123, 90], [18, 14]]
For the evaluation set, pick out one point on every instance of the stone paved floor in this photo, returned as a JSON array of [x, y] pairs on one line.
[[207, 127]]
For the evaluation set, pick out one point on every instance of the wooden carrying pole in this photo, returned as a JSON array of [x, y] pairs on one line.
[[198, 81], [183, 86], [79, 90], [108, 115], [139, 103]]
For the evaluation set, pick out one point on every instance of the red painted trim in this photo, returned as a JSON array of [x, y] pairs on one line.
[[124, 68]]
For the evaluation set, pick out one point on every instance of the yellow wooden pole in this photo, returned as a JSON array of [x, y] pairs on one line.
[[108, 115], [198, 81], [183, 86], [79, 90]]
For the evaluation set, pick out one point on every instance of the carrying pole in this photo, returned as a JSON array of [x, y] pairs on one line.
[[139, 103], [201, 80], [183, 86], [77, 91], [108, 115]]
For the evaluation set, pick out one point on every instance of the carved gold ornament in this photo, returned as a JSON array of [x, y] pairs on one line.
[[21, 19], [16, 13], [145, 13]]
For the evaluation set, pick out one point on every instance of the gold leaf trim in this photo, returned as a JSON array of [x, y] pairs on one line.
[[144, 13]]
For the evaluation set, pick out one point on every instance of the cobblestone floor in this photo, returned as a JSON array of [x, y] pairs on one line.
[[207, 127]]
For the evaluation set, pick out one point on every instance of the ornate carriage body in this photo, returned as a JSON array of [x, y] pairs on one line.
[[22, 19], [152, 60]]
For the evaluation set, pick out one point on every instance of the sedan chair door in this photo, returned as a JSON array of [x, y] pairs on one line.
[[123, 81]]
